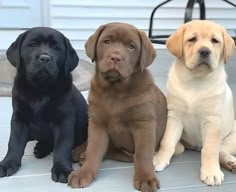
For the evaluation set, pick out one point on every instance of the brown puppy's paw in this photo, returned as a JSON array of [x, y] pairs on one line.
[[82, 159], [79, 157], [146, 184], [78, 152], [80, 178]]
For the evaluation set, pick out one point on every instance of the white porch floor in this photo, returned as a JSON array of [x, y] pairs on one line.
[[183, 174], [34, 175]]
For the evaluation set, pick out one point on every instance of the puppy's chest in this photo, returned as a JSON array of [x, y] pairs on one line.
[[190, 101], [111, 112], [43, 110], [113, 116], [40, 105], [192, 106]]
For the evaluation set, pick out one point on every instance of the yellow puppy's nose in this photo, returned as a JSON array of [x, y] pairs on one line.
[[204, 52]]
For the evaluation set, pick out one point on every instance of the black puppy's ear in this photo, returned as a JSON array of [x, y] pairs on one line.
[[13, 52], [72, 58]]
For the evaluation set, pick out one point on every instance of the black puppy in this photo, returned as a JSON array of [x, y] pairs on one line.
[[47, 107]]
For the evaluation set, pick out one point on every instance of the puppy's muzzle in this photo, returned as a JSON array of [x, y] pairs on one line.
[[115, 59], [112, 75], [44, 58], [45, 62], [204, 57], [204, 52], [43, 68]]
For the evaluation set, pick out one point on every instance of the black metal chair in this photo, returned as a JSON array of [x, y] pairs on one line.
[[161, 39]]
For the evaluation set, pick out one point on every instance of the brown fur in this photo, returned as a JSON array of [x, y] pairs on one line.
[[127, 111]]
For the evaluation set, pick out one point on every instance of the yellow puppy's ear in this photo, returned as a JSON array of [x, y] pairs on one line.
[[175, 42], [229, 46], [91, 43], [148, 53]]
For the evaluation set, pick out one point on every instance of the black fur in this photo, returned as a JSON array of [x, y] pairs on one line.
[[47, 107]]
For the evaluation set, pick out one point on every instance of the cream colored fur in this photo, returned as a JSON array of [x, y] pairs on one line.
[[200, 102]]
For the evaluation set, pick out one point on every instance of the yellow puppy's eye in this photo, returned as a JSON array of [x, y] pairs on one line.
[[214, 40], [131, 46], [107, 41], [193, 39]]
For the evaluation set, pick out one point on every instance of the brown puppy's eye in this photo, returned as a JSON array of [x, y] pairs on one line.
[[131, 46], [214, 40], [107, 41], [193, 39]]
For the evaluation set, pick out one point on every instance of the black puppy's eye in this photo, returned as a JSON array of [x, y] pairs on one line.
[[55, 46], [131, 46], [107, 41], [193, 39], [214, 40], [33, 44]]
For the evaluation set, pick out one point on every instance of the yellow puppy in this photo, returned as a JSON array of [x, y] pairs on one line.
[[200, 103]]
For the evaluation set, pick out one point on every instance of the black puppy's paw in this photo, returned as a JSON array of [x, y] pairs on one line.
[[8, 168], [60, 173], [41, 150]]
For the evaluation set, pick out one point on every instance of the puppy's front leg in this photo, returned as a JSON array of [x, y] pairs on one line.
[[210, 169], [62, 152], [18, 139], [172, 135], [145, 142], [98, 140]]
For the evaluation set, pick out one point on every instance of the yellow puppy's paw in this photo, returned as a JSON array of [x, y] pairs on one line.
[[212, 176], [160, 162]]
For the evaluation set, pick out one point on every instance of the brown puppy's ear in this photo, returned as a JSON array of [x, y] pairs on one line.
[[148, 53], [91, 44], [229, 45], [72, 58], [175, 42], [13, 52]]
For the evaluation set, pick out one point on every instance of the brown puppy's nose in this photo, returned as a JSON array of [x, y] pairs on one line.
[[115, 58], [204, 52], [44, 58]]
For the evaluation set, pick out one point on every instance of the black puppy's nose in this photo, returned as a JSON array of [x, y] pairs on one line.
[[115, 58], [44, 58], [204, 52]]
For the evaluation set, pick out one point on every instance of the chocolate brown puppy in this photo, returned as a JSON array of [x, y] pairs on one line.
[[127, 111]]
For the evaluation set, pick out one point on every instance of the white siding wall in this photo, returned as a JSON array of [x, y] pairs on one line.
[[16, 15], [78, 19]]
